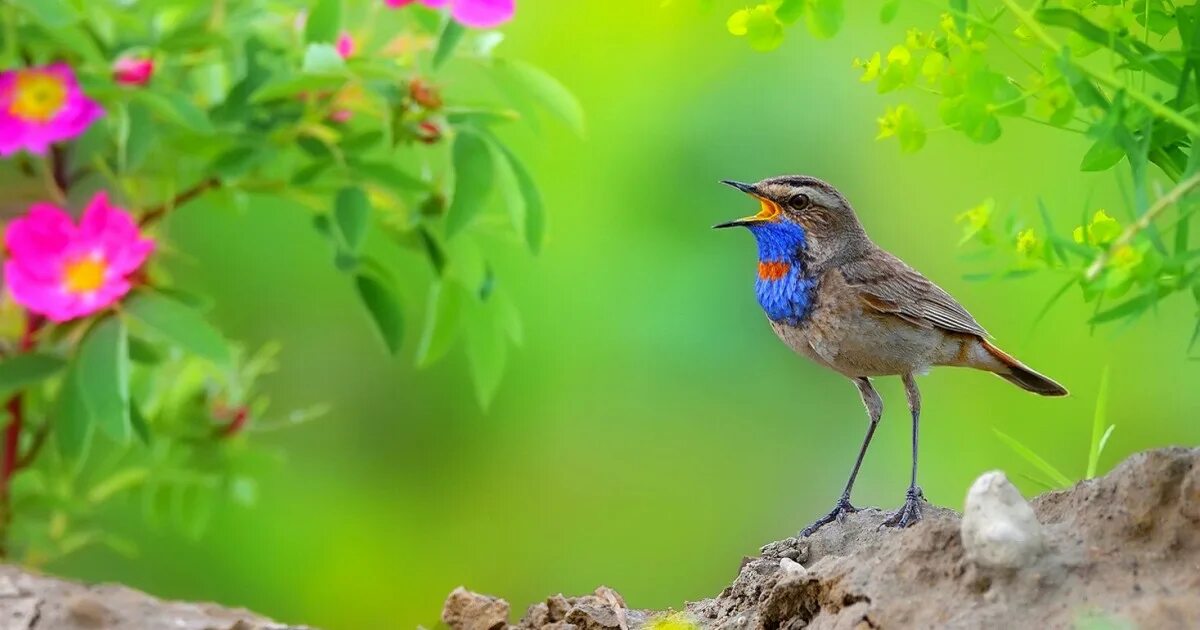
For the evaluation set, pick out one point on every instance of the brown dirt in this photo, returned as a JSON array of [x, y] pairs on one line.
[[29, 601], [1121, 551]]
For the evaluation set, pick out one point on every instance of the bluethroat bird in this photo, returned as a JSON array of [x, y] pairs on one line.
[[834, 296]]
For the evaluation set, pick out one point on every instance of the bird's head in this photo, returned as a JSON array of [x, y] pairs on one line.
[[799, 212]]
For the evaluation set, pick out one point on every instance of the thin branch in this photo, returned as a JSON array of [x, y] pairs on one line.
[[1143, 222], [158, 212]]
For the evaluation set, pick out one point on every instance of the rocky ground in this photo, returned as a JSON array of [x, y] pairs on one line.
[[1121, 551], [34, 602]]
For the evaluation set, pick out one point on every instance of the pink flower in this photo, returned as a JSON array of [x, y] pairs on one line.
[[345, 45], [41, 106], [133, 71], [473, 13], [62, 270]]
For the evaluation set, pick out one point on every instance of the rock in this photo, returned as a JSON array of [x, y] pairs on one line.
[[465, 610], [1116, 551], [88, 612], [999, 528], [790, 566]]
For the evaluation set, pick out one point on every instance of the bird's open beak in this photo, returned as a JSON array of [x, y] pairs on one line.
[[770, 210]]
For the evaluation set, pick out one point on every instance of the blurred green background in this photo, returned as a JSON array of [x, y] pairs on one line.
[[652, 430]]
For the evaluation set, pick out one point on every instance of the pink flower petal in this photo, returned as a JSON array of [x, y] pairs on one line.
[[37, 295], [44, 245], [75, 115], [44, 232], [483, 13], [345, 46]]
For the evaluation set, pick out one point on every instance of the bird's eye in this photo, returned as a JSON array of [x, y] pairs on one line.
[[799, 201]]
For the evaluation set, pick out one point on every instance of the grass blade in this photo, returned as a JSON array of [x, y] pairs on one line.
[[1037, 462], [1098, 433]]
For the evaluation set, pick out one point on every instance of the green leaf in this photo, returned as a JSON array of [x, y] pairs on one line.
[[443, 320], [1103, 155], [103, 373], [760, 26], [179, 324], [789, 11], [52, 13], [535, 212], [323, 59], [352, 211], [824, 17], [290, 87], [388, 175], [486, 354], [177, 108], [1028, 455], [1138, 54], [141, 426], [23, 370], [384, 307], [1098, 421], [452, 33], [135, 147], [888, 11], [237, 161], [552, 94], [324, 21], [958, 8], [473, 174], [72, 425]]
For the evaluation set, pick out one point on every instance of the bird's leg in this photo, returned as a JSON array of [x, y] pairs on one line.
[[911, 512], [874, 406]]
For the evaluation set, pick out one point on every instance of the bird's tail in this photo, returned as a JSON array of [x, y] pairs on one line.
[[1019, 374]]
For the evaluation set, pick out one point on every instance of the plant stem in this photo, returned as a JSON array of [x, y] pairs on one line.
[[53, 189], [1155, 107], [10, 456], [1143, 222], [158, 212]]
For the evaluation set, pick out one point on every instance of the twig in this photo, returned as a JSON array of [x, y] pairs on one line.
[[158, 212], [1143, 222]]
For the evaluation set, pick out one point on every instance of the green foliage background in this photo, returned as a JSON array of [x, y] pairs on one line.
[[651, 430]]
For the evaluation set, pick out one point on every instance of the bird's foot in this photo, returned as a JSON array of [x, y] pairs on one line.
[[908, 514], [842, 508]]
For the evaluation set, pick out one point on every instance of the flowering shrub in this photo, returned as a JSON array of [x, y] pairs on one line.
[[120, 113]]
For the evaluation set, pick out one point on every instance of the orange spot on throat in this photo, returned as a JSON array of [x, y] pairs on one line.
[[773, 269]]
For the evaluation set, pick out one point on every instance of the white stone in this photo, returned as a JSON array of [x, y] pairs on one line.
[[791, 567], [999, 528]]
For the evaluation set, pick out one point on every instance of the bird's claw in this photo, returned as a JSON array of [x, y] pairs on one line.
[[909, 514], [842, 508]]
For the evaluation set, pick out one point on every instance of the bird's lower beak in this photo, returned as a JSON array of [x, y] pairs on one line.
[[770, 210]]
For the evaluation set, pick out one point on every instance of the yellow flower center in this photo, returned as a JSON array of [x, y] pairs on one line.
[[39, 96], [84, 275]]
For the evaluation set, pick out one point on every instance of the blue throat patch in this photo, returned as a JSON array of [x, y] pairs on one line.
[[783, 287]]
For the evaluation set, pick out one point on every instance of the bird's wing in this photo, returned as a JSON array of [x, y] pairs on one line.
[[887, 285]]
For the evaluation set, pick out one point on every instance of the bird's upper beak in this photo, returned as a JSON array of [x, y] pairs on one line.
[[770, 210]]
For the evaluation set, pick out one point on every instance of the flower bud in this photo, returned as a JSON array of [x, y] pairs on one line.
[[428, 132], [133, 71], [424, 94]]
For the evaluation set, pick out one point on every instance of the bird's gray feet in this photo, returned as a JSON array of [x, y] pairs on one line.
[[910, 513], [842, 508]]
